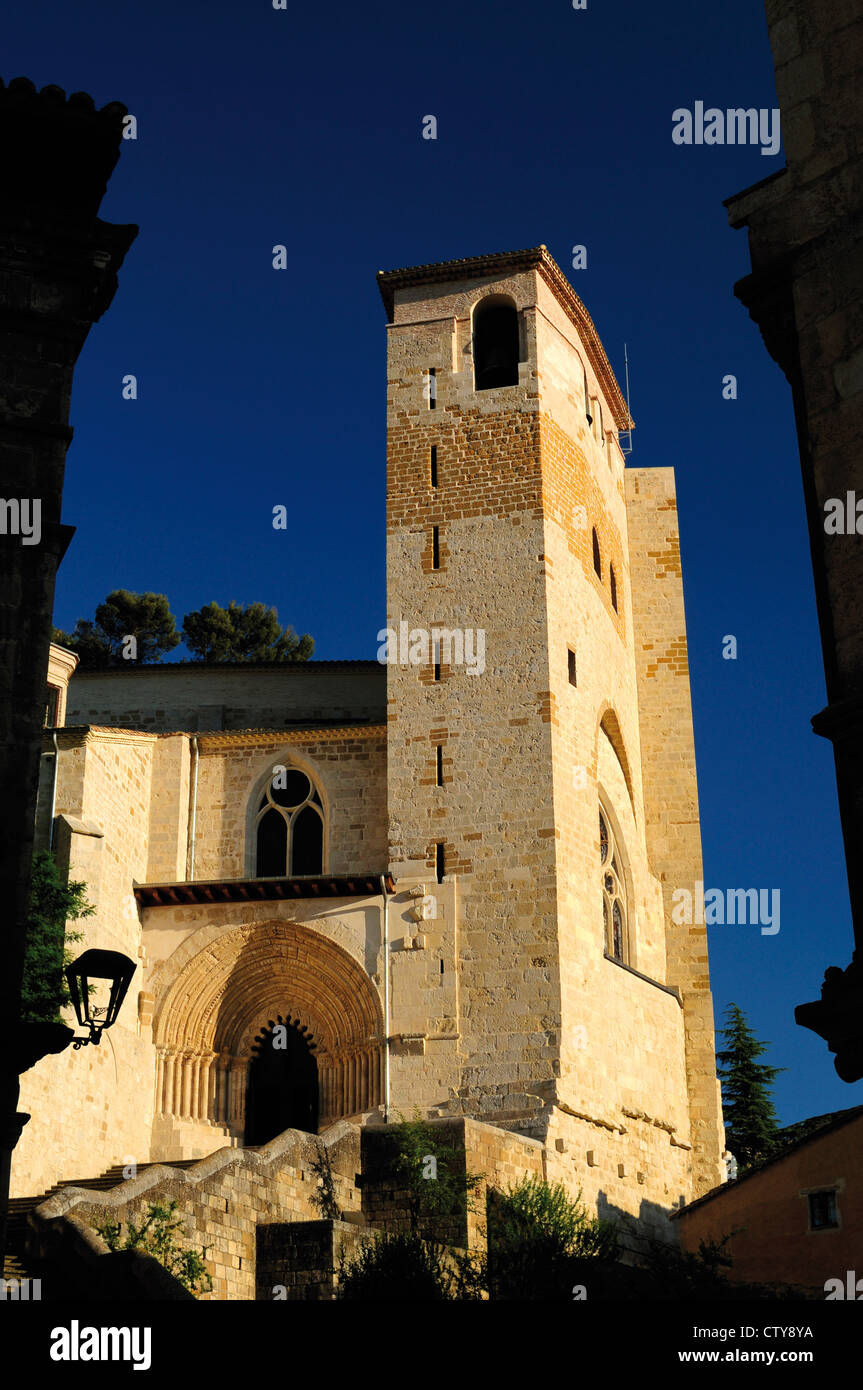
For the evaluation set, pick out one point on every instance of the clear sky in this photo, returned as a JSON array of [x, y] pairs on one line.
[[256, 387]]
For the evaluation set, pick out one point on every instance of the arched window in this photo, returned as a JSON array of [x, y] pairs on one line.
[[612, 581], [495, 343], [613, 891], [289, 827], [597, 558]]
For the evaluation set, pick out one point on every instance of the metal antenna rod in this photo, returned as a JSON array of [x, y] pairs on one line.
[[628, 450]]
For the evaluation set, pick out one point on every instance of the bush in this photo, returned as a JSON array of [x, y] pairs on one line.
[[538, 1240], [398, 1268], [324, 1197], [683, 1275], [439, 1190], [157, 1236]]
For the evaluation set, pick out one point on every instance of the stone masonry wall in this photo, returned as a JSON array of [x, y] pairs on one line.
[[93, 1107], [494, 813], [349, 769], [670, 787], [222, 1199], [188, 697]]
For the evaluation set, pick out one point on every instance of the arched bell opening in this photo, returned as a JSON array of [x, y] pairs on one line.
[[495, 343]]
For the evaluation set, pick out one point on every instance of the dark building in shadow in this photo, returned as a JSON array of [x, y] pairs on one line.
[[805, 292]]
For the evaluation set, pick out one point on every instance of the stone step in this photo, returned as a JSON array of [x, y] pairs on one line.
[[18, 1264]]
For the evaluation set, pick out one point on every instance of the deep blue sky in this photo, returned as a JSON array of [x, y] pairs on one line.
[[259, 387]]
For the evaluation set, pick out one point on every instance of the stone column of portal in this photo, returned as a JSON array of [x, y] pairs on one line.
[[186, 1088], [239, 1070], [168, 1087], [330, 1075], [323, 1090], [227, 1063], [158, 1107], [177, 1098], [349, 1062], [372, 1065], [194, 1098], [355, 1082], [230, 1091], [339, 1064], [363, 1080], [204, 1086]]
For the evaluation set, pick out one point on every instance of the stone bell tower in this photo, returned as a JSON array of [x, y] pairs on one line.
[[537, 979]]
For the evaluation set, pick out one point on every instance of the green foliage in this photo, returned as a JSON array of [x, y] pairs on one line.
[[243, 634], [157, 1236], [238, 633], [750, 1118], [439, 1191], [44, 991], [90, 645], [324, 1199], [538, 1238], [146, 617], [397, 1268], [676, 1275]]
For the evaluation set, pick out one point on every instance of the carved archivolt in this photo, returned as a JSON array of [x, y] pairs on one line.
[[208, 1015]]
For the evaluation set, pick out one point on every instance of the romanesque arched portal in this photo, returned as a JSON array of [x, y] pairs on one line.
[[236, 986]]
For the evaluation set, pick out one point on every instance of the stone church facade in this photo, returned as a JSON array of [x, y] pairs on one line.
[[444, 876]]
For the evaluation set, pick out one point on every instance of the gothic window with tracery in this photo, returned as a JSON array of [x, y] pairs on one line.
[[613, 891], [289, 827]]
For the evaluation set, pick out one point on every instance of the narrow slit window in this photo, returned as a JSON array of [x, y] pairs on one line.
[[433, 466], [432, 388], [435, 547], [436, 659], [612, 580], [571, 662], [439, 862], [439, 764], [597, 558], [587, 413]]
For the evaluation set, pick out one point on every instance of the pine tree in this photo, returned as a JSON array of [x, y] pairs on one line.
[[105, 642], [250, 633], [750, 1119]]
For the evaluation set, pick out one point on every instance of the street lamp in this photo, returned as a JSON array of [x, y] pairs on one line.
[[108, 966], [30, 1042]]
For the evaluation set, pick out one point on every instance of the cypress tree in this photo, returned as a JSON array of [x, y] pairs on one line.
[[750, 1119]]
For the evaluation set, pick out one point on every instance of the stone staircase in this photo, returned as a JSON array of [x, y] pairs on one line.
[[19, 1265]]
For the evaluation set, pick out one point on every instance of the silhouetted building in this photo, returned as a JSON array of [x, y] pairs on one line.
[[805, 293]]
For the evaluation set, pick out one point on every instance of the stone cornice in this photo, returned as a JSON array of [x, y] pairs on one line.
[[307, 733], [217, 892], [61, 657], [78, 735]]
